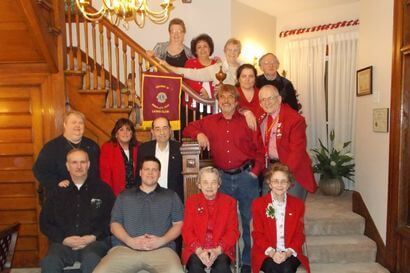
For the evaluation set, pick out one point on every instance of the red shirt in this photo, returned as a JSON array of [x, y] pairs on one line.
[[232, 142], [252, 105]]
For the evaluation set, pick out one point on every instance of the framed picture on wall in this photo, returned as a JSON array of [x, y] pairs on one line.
[[364, 79]]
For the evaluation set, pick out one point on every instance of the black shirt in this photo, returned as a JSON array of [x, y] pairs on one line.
[[178, 60], [50, 166], [71, 211], [285, 87]]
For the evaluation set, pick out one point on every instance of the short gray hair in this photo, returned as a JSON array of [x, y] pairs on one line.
[[208, 169]]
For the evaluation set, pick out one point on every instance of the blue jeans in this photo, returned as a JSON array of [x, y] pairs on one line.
[[59, 256], [244, 188]]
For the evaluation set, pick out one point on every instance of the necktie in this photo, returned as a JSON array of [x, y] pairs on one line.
[[269, 125]]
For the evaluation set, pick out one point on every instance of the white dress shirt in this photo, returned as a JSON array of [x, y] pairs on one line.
[[163, 157]]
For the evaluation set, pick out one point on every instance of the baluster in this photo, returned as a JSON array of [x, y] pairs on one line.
[[125, 96], [147, 65], [102, 70], [133, 86], [111, 97], [87, 65], [77, 29], [95, 72], [118, 101], [70, 37], [201, 110], [140, 70]]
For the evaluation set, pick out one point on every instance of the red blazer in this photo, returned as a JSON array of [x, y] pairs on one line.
[[225, 231], [291, 145], [264, 230], [112, 168]]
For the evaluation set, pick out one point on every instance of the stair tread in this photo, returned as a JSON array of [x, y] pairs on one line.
[[346, 268], [339, 240], [337, 216]]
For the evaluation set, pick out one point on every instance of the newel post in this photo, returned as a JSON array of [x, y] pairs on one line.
[[190, 165]]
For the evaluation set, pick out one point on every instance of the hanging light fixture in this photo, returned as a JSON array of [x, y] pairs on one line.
[[126, 11]]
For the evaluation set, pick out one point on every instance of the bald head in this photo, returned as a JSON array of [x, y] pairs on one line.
[[269, 98]]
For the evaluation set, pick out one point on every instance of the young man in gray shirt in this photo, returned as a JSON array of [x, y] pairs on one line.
[[145, 221]]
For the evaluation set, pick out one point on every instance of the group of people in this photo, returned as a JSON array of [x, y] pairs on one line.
[[133, 193], [199, 69]]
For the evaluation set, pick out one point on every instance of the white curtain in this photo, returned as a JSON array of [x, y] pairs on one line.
[[306, 63], [342, 84], [305, 60], [342, 87]]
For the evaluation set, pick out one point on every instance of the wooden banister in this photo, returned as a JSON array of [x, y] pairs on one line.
[[114, 33]]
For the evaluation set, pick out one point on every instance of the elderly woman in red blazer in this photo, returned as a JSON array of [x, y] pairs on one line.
[[118, 157], [278, 227], [210, 229]]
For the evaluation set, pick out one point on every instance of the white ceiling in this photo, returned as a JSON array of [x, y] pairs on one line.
[[283, 7]]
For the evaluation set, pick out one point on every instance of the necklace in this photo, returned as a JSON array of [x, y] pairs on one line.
[[74, 145]]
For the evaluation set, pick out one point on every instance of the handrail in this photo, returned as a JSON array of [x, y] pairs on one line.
[[152, 60]]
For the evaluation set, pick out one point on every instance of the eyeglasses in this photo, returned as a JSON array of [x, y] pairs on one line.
[[269, 62], [278, 182], [176, 31], [268, 99]]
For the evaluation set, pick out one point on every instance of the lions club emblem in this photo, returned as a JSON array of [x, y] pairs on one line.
[[162, 97]]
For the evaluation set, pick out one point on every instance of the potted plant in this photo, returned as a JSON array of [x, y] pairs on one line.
[[333, 164]]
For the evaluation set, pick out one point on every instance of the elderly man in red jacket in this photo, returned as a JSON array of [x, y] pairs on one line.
[[284, 137]]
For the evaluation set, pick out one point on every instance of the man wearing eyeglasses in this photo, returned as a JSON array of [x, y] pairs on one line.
[[283, 133], [269, 64]]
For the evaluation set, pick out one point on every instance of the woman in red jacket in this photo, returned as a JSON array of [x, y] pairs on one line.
[[278, 228], [118, 157], [210, 229]]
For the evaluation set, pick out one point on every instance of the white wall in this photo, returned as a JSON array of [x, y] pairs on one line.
[[210, 16], [255, 29], [310, 18], [372, 149]]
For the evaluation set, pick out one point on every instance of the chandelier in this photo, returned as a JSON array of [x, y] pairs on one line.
[[126, 11]]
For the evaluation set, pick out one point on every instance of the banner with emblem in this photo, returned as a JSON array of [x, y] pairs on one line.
[[160, 97]]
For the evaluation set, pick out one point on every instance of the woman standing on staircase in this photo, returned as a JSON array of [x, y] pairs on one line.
[[118, 157], [248, 95], [174, 51], [278, 227]]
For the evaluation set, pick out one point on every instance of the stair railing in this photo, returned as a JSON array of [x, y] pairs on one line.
[[112, 62]]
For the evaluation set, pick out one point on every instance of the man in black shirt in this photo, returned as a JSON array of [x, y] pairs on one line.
[[76, 218], [50, 167], [269, 64]]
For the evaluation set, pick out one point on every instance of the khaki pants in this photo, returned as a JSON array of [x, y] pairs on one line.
[[121, 259]]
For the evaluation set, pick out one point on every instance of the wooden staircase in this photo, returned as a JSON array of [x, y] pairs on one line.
[[102, 63]]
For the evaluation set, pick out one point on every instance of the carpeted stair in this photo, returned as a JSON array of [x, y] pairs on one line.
[[334, 237]]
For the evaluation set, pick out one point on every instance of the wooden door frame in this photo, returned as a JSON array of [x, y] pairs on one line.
[[400, 107]]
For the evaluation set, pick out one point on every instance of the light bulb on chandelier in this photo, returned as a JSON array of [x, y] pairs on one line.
[[126, 11]]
